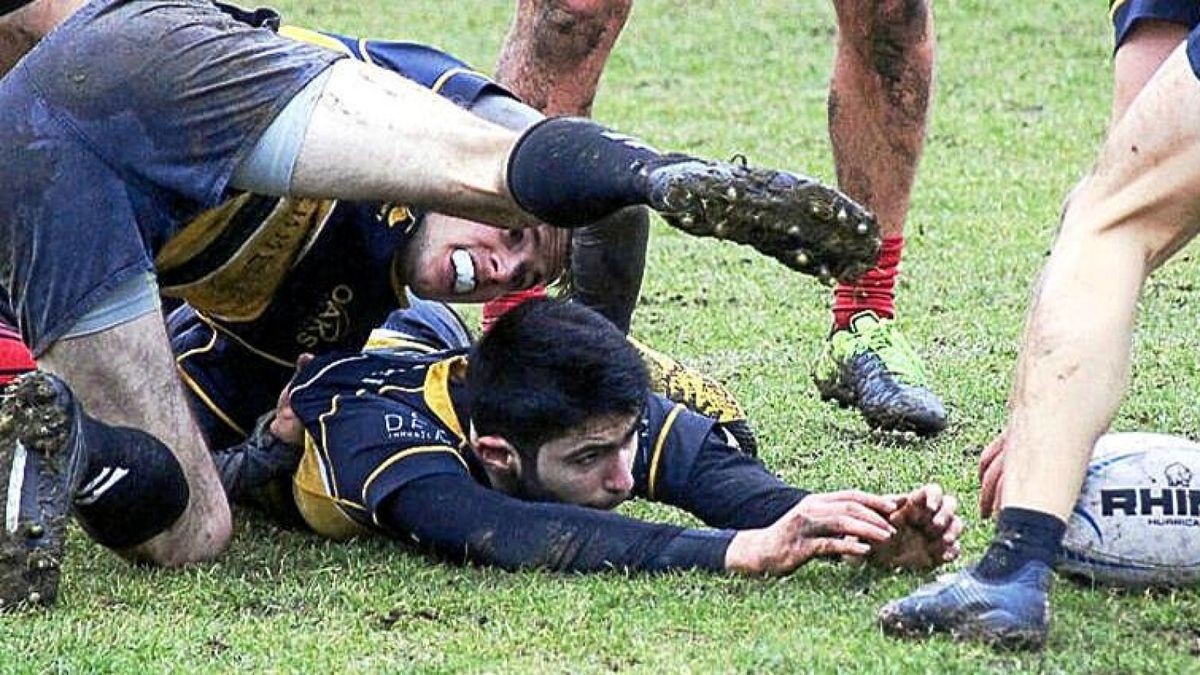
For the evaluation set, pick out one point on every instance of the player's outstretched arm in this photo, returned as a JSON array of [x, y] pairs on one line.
[[457, 518]]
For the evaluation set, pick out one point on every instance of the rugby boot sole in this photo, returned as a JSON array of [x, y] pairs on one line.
[[39, 422], [809, 227]]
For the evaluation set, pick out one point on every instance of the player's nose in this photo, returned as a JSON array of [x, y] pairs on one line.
[[503, 269], [619, 478]]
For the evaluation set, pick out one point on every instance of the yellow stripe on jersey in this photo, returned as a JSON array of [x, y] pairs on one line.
[[323, 512], [312, 37], [437, 391], [449, 75], [1113, 7], [395, 341], [204, 397], [658, 448], [329, 478], [218, 328], [362, 51], [242, 287], [405, 454]]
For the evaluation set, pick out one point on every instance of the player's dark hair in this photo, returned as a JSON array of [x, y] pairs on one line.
[[547, 367]]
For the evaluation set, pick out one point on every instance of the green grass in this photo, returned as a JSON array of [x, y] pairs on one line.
[[1021, 106]]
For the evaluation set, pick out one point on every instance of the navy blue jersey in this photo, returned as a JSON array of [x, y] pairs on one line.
[[313, 276], [379, 420]]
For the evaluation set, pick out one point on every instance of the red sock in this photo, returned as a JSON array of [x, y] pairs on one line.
[[874, 291], [15, 357], [494, 309]]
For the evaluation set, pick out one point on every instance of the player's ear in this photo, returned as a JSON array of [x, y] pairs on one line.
[[497, 454]]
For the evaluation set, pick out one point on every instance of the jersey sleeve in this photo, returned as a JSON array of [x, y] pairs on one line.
[[465, 521], [687, 461]]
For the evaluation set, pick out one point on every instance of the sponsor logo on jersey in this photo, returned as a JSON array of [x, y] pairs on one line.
[[412, 427], [331, 321]]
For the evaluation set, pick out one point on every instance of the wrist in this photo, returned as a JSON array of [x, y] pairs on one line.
[[743, 555]]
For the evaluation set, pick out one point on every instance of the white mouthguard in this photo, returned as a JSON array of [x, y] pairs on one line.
[[464, 271]]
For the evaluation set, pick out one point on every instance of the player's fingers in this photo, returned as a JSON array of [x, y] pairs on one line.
[[865, 530], [840, 546], [933, 497], [879, 503], [989, 492], [864, 514], [946, 511], [951, 553], [954, 531], [992, 452]]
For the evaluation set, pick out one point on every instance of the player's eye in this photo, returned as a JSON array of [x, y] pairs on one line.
[[516, 236], [587, 459]]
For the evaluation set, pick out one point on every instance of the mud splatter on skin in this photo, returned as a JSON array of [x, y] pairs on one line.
[[893, 30], [555, 53]]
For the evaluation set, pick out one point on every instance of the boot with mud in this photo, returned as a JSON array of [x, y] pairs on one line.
[[808, 226], [41, 457], [871, 366]]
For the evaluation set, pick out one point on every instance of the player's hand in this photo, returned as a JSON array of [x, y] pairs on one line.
[[835, 524], [927, 531], [286, 426], [991, 476]]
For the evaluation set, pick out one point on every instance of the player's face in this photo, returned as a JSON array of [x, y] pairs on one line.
[[458, 260], [591, 466]]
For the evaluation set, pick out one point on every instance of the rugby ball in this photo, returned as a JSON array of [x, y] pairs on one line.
[[1137, 521]]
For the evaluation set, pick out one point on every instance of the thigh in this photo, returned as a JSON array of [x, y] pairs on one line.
[[1145, 187], [69, 235]]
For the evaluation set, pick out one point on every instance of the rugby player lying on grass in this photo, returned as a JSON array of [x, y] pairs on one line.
[[116, 186], [516, 460]]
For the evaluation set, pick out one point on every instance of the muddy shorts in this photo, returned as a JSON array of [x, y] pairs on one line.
[[117, 129], [1126, 13]]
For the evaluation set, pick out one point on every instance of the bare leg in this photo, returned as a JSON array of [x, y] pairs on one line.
[[126, 376], [878, 105], [1143, 51], [375, 135], [1140, 205], [556, 50], [879, 102]]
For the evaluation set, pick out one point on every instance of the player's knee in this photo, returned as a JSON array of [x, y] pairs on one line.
[[202, 534], [580, 17]]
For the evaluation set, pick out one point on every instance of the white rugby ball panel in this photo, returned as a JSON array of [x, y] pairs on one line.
[[1137, 521]]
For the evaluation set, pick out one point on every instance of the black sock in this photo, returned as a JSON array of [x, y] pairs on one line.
[[1021, 535], [570, 171], [131, 487]]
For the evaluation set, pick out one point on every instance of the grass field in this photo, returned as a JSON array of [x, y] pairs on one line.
[[1021, 105]]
